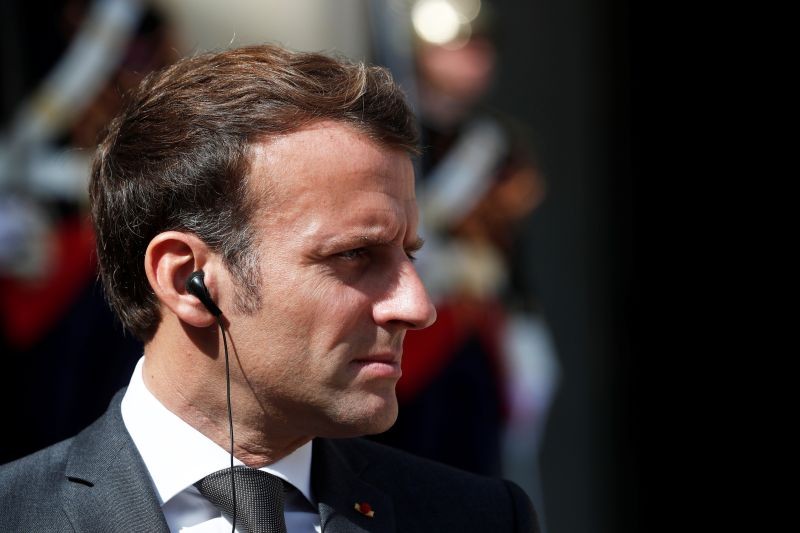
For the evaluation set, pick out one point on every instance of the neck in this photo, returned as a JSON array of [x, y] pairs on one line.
[[191, 384]]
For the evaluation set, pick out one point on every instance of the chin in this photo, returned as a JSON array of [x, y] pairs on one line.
[[381, 423], [372, 415], [384, 415]]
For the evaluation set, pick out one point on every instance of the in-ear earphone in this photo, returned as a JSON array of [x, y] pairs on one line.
[[196, 286]]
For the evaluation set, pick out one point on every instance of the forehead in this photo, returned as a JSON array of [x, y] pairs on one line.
[[327, 160]]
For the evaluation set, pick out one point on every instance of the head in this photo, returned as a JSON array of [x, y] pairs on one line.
[[287, 178], [178, 157]]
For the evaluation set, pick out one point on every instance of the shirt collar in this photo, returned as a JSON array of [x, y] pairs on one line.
[[177, 455]]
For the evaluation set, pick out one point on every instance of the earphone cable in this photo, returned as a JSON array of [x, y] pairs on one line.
[[230, 416]]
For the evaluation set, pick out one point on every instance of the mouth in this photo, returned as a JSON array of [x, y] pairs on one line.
[[380, 365]]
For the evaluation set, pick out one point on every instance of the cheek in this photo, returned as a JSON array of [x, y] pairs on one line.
[[320, 311], [337, 308]]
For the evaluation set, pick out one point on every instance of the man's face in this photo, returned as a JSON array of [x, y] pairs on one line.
[[338, 286]]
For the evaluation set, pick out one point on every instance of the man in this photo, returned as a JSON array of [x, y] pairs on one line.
[[285, 179]]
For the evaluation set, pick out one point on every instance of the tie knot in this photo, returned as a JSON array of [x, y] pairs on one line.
[[259, 498]]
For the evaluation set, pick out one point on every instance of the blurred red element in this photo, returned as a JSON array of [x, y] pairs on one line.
[[29, 308], [428, 351]]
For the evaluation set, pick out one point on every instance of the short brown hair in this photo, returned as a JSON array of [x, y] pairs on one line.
[[177, 156]]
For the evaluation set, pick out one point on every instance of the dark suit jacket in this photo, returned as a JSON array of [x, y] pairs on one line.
[[97, 481]]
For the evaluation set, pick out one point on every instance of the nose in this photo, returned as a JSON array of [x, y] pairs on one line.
[[406, 303]]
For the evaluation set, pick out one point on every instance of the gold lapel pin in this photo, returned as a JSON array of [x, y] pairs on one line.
[[365, 509]]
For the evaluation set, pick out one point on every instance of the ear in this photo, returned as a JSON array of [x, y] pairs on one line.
[[169, 260]]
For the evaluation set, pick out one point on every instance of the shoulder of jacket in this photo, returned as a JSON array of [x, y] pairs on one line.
[[38, 463], [425, 491], [30, 489], [383, 460]]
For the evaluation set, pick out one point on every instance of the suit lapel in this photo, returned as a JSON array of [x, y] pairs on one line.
[[337, 488], [107, 486]]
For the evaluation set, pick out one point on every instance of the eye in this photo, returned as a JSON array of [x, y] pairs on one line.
[[411, 251], [353, 255]]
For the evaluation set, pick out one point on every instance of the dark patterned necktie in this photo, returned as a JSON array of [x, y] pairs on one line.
[[259, 498]]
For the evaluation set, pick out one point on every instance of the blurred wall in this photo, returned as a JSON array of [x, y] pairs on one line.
[[310, 25], [565, 71]]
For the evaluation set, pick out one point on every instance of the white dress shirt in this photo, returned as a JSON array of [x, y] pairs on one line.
[[177, 455]]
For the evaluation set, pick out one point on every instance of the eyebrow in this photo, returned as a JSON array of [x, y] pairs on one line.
[[372, 240], [369, 238]]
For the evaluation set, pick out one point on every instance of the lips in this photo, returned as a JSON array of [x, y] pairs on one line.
[[380, 365], [387, 358]]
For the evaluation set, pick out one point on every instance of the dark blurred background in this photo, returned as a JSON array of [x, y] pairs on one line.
[[561, 87]]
